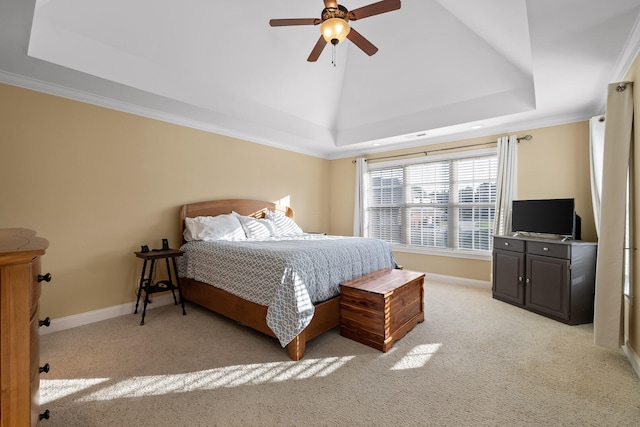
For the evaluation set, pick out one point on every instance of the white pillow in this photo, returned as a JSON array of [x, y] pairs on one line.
[[283, 225], [209, 228], [256, 228]]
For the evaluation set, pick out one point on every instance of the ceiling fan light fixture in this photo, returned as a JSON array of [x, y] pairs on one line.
[[334, 25], [335, 29]]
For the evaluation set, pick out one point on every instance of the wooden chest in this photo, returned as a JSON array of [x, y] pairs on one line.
[[379, 308]]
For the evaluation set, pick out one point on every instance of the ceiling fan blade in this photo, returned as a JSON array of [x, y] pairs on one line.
[[317, 49], [330, 4], [374, 9], [294, 21], [364, 44]]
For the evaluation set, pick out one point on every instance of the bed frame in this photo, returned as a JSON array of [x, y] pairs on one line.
[[326, 316]]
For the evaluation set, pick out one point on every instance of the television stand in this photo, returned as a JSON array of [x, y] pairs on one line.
[[554, 278]]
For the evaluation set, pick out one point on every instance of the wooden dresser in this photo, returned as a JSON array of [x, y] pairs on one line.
[[20, 287]]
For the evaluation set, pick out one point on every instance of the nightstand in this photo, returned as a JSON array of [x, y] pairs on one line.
[[146, 278]]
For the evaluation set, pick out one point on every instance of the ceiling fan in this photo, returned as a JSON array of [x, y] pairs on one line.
[[334, 24]]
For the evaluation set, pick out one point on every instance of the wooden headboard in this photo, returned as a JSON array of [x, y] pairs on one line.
[[254, 208]]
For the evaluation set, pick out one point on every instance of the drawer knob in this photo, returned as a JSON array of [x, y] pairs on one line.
[[44, 368], [506, 243], [46, 322], [45, 415], [45, 278], [545, 249]]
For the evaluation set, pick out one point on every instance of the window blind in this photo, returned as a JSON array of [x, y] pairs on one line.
[[447, 204]]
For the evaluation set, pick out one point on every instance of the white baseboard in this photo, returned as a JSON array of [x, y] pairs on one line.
[[89, 317], [633, 357], [453, 280]]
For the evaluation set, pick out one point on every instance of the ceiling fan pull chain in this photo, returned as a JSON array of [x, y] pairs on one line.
[[333, 54]]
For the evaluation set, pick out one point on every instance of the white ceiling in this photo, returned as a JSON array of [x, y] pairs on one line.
[[442, 66]]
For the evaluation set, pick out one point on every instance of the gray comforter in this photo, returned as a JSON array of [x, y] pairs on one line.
[[286, 274]]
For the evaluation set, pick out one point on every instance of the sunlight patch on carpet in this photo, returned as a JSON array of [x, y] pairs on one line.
[[211, 379], [51, 390], [417, 357]]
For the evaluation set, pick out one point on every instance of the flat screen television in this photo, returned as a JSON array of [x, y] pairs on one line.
[[546, 216]]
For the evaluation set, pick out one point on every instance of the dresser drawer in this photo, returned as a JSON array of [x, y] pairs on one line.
[[552, 249], [507, 244], [36, 286], [34, 346]]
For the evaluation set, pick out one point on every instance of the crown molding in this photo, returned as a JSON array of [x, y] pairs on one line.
[[138, 110]]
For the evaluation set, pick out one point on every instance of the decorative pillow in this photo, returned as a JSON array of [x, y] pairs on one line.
[[209, 228], [283, 225], [255, 228]]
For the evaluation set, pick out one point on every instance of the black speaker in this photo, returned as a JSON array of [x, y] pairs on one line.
[[578, 230]]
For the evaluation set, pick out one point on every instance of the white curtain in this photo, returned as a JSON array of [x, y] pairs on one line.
[[506, 183], [359, 203], [608, 316], [596, 152]]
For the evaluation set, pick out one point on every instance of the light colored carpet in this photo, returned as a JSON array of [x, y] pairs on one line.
[[475, 361]]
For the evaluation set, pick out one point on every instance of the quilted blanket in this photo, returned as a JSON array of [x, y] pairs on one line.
[[287, 274]]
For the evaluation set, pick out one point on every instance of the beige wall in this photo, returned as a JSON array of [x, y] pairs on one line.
[[554, 164], [98, 183]]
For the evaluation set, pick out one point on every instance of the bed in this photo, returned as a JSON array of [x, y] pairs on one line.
[[295, 300]]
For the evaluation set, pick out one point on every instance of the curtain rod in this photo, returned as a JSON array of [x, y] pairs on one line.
[[426, 153], [623, 85]]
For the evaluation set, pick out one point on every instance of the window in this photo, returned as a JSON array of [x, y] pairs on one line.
[[439, 202]]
